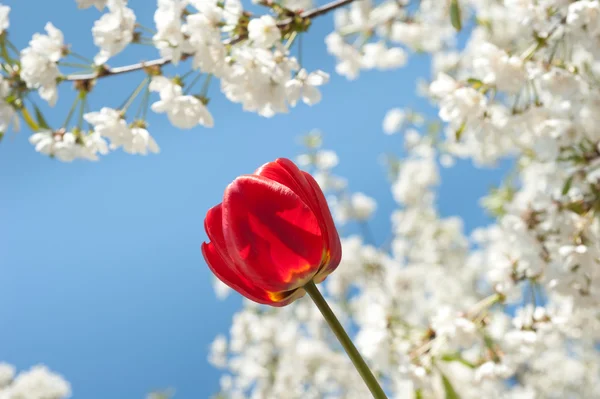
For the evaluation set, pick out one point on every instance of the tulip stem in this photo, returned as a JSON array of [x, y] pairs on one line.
[[342, 336]]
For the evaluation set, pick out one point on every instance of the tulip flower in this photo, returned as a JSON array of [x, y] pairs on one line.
[[272, 234], [272, 238]]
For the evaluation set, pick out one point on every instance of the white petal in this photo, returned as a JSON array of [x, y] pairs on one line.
[[317, 78], [311, 95], [293, 89]]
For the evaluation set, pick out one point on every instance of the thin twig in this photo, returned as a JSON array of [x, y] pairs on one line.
[[105, 72]]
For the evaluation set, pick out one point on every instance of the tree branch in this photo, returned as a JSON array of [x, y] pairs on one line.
[[106, 71], [324, 9]]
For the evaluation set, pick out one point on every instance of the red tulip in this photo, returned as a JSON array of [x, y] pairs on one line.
[[272, 234]]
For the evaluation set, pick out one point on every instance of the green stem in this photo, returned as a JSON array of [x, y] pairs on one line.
[[300, 50], [345, 340], [74, 65], [12, 46], [291, 40], [82, 105], [149, 30], [4, 52], [144, 103], [188, 73], [133, 95], [81, 57], [192, 83], [71, 111], [204, 91], [29, 120]]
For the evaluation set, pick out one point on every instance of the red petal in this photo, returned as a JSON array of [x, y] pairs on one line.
[[213, 224], [271, 234], [222, 266], [227, 274], [333, 238], [304, 185]]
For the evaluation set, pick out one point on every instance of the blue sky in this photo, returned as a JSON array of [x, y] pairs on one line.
[[101, 274]]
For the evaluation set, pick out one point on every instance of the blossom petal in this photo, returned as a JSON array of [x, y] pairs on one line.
[[311, 95], [317, 78], [293, 90], [272, 236]]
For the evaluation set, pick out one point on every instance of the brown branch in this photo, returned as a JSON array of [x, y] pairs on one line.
[[106, 71], [324, 9]]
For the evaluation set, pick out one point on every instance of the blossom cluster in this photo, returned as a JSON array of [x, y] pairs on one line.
[[507, 311], [251, 57], [38, 383]]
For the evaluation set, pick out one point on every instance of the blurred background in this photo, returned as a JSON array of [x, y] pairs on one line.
[[101, 274]]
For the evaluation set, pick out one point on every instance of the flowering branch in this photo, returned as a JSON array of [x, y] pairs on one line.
[[104, 71]]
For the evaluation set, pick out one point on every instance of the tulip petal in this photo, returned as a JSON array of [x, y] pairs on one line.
[[223, 267], [304, 185], [271, 233], [335, 245], [227, 275], [213, 224], [237, 282]]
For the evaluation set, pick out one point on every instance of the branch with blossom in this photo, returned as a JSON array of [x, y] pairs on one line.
[[521, 84], [251, 56]]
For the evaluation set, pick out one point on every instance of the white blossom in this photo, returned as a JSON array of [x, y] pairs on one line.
[[263, 31], [8, 115], [393, 120], [304, 86], [37, 383], [377, 55], [169, 37], [7, 374], [358, 206], [68, 146], [39, 68], [110, 124], [584, 14], [184, 111], [113, 31], [4, 20]]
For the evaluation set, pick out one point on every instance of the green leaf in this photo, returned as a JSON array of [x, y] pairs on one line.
[[41, 121], [567, 185], [456, 357], [449, 389], [475, 83], [484, 22], [577, 207], [455, 15], [460, 131]]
